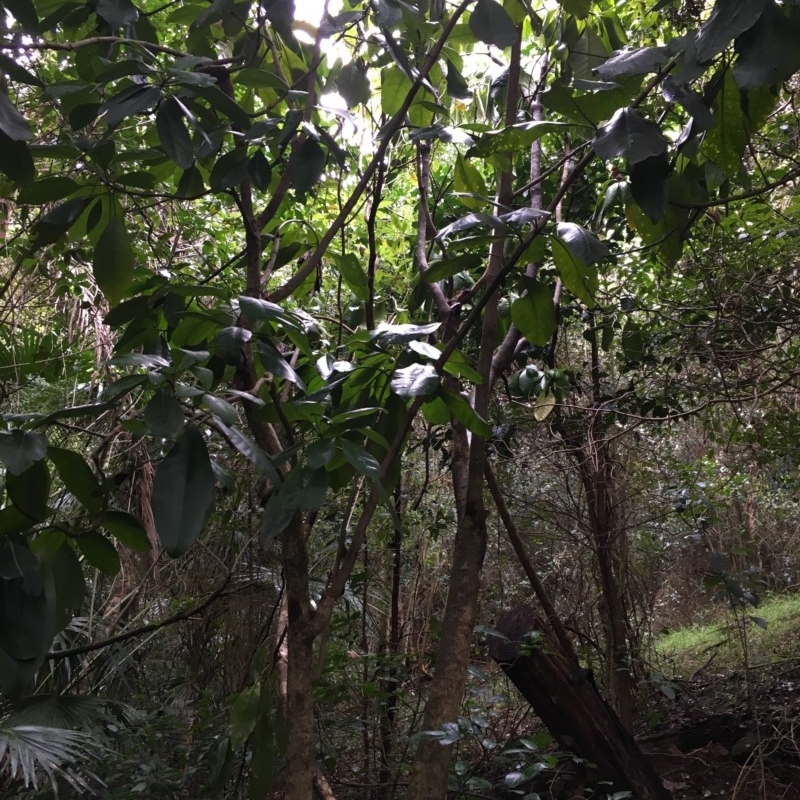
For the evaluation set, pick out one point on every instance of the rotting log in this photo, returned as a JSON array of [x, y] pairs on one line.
[[569, 704]]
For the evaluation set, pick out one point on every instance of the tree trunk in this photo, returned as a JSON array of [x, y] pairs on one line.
[[568, 703]]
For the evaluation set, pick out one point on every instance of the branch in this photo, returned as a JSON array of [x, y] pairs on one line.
[[179, 617]]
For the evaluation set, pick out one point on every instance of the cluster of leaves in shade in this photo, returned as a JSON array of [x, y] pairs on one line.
[[145, 110]]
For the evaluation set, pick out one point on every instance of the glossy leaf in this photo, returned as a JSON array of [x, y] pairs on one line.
[[251, 451], [306, 170], [222, 408], [172, 133], [649, 185], [638, 61], [12, 123], [47, 190], [117, 13], [353, 85], [164, 415], [400, 334], [229, 171], [183, 493], [535, 313], [16, 161], [490, 23], [727, 20], [113, 261], [133, 100], [416, 380], [78, 477], [630, 136], [99, 552], [579, 277], [126, 528], [583, 244], [463, 411], [29, 491], [19, 450]]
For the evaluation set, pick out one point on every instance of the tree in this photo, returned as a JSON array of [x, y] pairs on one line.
[[179, 168]]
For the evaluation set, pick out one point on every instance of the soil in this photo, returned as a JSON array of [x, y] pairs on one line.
[[728, 735]]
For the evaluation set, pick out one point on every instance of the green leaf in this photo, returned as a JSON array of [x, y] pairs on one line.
[[126, 528], [47, 190], [463, 411], [638, 61], [12, 123], [362, 462], [133, 100], [633, 342], [117, 13], [68, 582], [583, 244], [183, 493], [78, 477], [229, 107], [630, 136], [275, 363], [457, 87], [395, 85], [229, 171], [515, 137], [439, 270], [353, 274], [25, 13], [579, 277], [164, 415], [307, 168], [692, 103], [259, 170], [172, 133], [222, 408], [353, 85], [17, 72], [113, 261], [726, 141], [99, 552], [535, 313], [56, 222], [468, 181], [768, 52], [230, 342], [386, 334], [29, 491], [252, 452], [16, 161], [416, 380], [19, 450], [727, 20], [649, 185], [490, 23]]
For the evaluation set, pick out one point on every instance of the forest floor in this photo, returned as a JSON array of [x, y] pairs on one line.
[[723, 718]]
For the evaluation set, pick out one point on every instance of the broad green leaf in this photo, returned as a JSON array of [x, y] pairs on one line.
[[221, 102], [386, 334], [535, 313], [353, 85], [692, 103], [133, 100], [68, 582], [363, 462], [395, 85], [490, 23], [229, 171], [19, 450], [583, 244], [457, 87], [25, 13], [259, 171], [230, 342], [307, 168], [727, 20], [251, 451], [638, 61], [183, 493], [47, 190], [630, 136], [768, 53], [578, 8], [436, 411], [16, 161], [126, 528], [416, 380], [99, 552], [12, 123], [244, 715], [29, 491], [353, 274], [164, 415], [579, 277], [439, 270], [172, 133], [649, 185], [726, 141], [78, 477], [463, 411], [222, 408], [545, 404], [113, 261], [633, 342], [276, 364], [117, 13], [469, 183]]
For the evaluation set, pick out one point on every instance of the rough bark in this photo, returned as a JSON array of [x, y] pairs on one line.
[[568, 703]]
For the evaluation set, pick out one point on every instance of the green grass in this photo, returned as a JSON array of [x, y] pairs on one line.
[[720, 644]]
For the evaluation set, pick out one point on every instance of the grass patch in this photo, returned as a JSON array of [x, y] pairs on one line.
[[734, 640]]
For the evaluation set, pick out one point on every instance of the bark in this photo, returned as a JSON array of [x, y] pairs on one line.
[[568, 703]]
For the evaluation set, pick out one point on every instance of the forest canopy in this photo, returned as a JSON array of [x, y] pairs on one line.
[[333, 353]]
